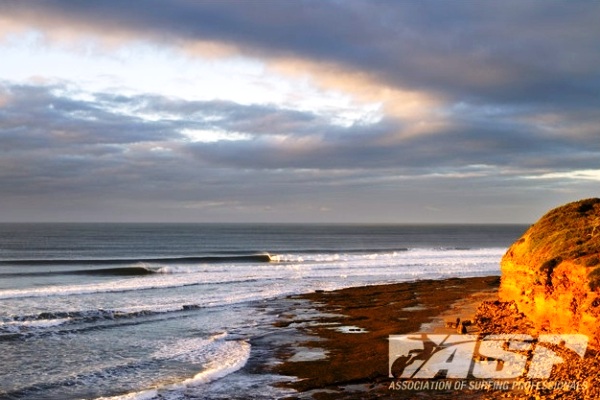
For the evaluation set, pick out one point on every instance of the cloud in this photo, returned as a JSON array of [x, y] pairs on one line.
[[408, 56], [449, 99], [46, 123], [415, 59], [514, 51]]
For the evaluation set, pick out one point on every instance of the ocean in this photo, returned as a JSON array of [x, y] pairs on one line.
[[170, 311]]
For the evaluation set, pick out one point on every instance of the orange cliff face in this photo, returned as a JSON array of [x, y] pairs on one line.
[[553, 271]]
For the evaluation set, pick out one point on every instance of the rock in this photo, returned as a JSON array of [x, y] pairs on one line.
[[552, 272], [501, 317]]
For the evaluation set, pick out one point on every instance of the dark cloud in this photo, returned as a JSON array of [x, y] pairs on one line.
[[510, 51]]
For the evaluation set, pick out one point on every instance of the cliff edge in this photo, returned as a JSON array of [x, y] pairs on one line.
[[552, 272]]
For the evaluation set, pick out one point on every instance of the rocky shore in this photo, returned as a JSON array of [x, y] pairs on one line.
[[549, 287], [343, 351], [354, 327]]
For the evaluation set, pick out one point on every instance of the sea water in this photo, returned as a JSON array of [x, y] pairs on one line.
[[169, 311]]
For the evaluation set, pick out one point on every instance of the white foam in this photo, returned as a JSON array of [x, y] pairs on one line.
[[411, 257], [122, 285], [27, 326], [165, 269], [218, 356], [143, 395], [187, 349], [230, 357]]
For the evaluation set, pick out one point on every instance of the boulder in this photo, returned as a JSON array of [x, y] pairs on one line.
[[552, 272]]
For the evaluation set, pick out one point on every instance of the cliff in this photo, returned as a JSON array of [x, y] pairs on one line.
[[552, 272]]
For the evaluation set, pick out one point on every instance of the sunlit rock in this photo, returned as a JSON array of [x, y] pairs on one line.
[[552, 272]]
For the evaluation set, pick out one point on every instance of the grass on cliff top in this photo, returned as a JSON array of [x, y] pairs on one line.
[[570, 232]]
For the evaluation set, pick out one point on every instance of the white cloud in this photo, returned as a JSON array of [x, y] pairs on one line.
[[584, 174], [211, 136], [135, 68]]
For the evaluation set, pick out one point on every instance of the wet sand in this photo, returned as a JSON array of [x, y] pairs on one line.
[[342, 352]]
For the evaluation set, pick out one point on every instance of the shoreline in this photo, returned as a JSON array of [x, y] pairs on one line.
[[340, 350]]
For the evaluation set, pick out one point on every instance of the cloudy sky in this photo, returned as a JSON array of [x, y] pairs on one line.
[[297, 111]]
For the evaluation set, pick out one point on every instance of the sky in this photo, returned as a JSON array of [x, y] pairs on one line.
[[297, 111]]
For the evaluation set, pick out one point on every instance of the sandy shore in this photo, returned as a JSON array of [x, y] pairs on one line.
[[342, 352]]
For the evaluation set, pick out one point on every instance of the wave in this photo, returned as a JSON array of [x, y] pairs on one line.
[[10, 329], [411, 264], [283, 256], [136, 267], [251, 258], [219, 357], [140, 270], [205, 358], [179, 265], [124, 271], [125, 285], [100, 314], [402, 253], [36, 324]]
